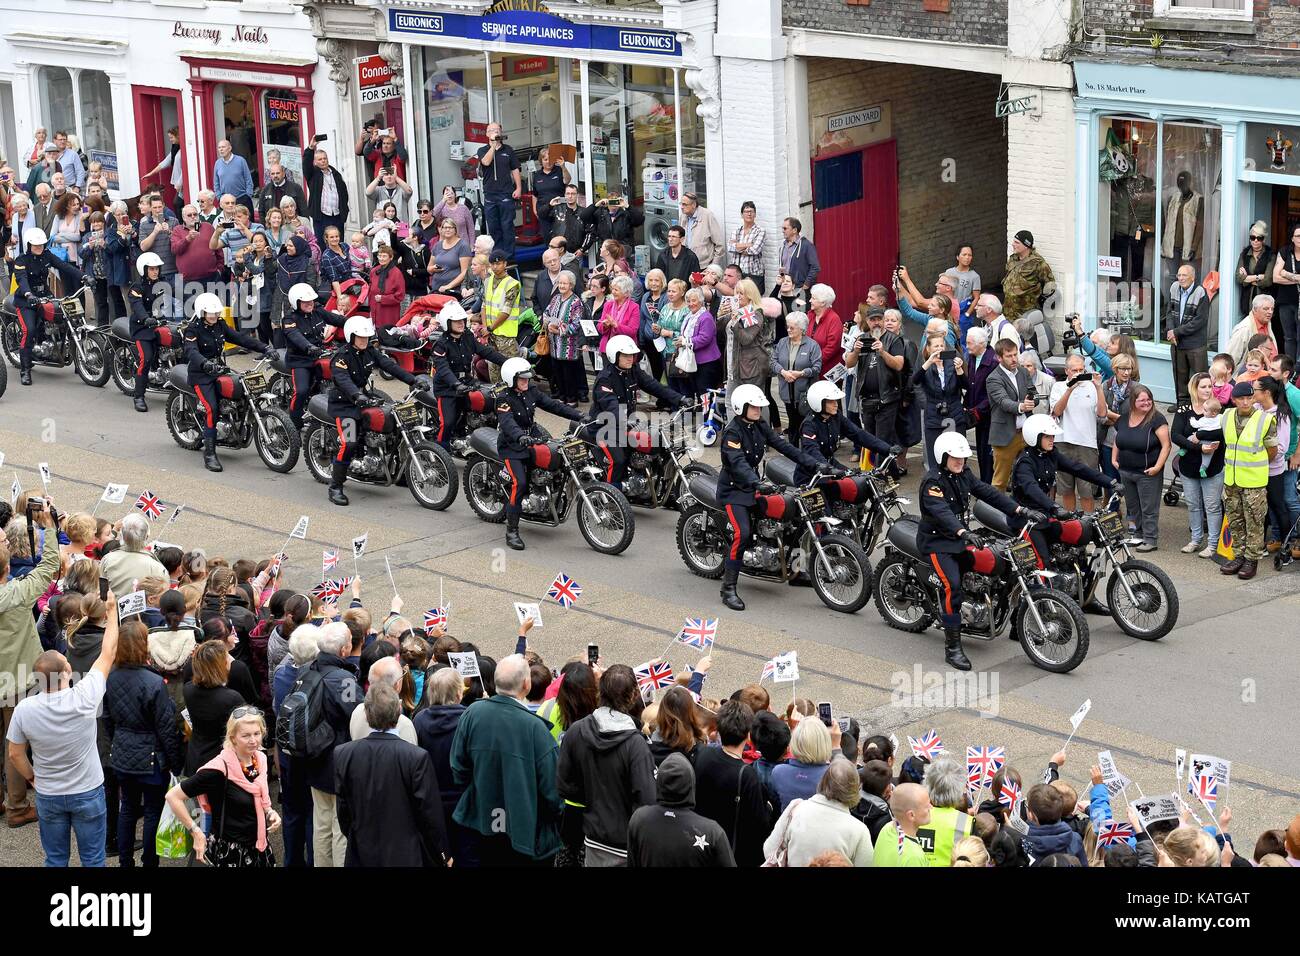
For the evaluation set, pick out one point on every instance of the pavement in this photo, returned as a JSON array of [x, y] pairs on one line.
[[1221, 683]]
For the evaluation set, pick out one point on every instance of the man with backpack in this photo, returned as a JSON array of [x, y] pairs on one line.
[[314, 719]]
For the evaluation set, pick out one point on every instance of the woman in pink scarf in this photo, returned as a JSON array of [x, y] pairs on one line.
[[232, 789], [622, 313]]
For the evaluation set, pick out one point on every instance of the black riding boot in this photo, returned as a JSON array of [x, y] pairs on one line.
[[339, 474], [210, 460], [953, 655], [729, 596], [513, 541]]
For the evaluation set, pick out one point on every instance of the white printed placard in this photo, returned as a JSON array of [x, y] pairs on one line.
[[131, 604], [1156, 809], [466, 665], [526, 611]]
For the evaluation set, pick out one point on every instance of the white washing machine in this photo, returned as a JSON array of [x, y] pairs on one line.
[[658, 217]]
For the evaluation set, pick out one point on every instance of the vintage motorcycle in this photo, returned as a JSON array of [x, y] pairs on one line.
[[397, 449], [862, 501], [246, 414], [171, 352], [69, 338], [1047, 622], [1139, 596], [797, 535], [661, 461], [562, 481]]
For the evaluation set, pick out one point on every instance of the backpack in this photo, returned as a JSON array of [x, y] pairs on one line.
[[301, 729]]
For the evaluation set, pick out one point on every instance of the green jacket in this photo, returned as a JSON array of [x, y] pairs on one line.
[[19, 645], [505, 757]]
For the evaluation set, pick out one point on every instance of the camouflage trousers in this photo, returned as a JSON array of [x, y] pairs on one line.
[[1247, 512]]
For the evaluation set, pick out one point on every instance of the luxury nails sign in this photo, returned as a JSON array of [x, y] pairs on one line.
[[219, 35]]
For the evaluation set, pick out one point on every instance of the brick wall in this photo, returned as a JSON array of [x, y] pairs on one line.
[[1128, 28], [933, 215], [958, 21]]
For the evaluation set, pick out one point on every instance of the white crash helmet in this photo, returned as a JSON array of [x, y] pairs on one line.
[[1038, 425], [951, 443], [207, 303], [747, 395], [620, 345], [358, 325], [820, 392], [515, 368], [35, 237], [452, 312], [147, 259], [301, 292]]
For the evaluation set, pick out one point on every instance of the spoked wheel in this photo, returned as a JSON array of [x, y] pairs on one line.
[[1153, 610], [124, 362], [899, 597], [605, 519], [437, 488], [482, 490], [182, 423], [94, 363], [702, 548], [320, 446], [280, 450], [846, 585], [9, 342], [1062, 644], [4, 378], [691, 471]]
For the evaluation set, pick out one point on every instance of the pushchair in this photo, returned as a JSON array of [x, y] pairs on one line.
[[1289, 540]]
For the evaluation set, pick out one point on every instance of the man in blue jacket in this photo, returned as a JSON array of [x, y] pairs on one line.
[[799, 263]]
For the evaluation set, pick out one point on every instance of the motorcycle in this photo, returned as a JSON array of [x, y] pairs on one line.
[[660, 463], [562, 478], [862, 501], [480, 412], [1139, 595], [397, 449], [797, 535], [281, 381], [69, 338], [125, 358], [246, 413], [1047, 622]]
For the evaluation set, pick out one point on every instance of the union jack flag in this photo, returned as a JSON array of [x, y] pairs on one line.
[[329, 559], [1206, 788], [769, 670], [902, 840], [927, 746], [1112, 832], [150, 504], [982, 763], [564, 591], [698, 632], [435, 617], [653, 675], [332, 589], [1009, 794]]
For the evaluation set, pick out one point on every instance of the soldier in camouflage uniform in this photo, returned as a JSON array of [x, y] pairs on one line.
[[1027, 275]]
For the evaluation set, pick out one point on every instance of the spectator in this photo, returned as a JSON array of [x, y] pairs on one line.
[[154, 232], [571, 223], [295, 793], [968, 283], [43, 172], [388, 186], [983, 360], [192, 248], [233, 790], [451, 257], [278, 186], [335, 263], [1009, 402], [506, 760], [108, 272], [1028, 278], [825, 326], [502, 187], [209, 211], [1286, 282], [1048, 832], [274, 227], [677, 261], [746, 244], [234, 237], [70, 162], [502, 295], [911, 809], [704, 235], [386, 670], [946, 782], [822, 823], [606, 767], [1200, 464], [230, 174], [65, 231], [944, 383], [1141, 448], [699, 333], [1254, 266], [797, 362], [1079, 403], [749, 340], [677, 727], [728, 790], [812, 745], [799, 267], [1282, 368], [176, 168], [36, 152], [383, 151], [1187, 324], [1259, 322], [670, 832], [1270, 398], [873, 799], [577, 697], [327, 191], [131, 562], [387, 289], [389, 807], [621, 314]]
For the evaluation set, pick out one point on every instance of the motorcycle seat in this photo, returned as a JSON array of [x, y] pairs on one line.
[[279, 360], [122, 328], [318, 406], [704, 489], [178, 376], [993, 519], [904, 535], [780, 470], [484, 442]]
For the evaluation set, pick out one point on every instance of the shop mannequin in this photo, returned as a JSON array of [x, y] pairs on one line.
[[1184, 226]]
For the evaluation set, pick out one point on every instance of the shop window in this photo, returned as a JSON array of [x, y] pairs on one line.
[[58, 108], [282, 130], [455, 108], [1191, 196], [1126, 223], [96, 112], [1205, 9], [236, 107]]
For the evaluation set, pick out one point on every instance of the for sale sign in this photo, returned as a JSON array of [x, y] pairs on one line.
[[373, 71]]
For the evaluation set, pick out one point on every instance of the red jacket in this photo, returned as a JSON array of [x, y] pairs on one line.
[[194, 259], [827, 333], [386, 303]]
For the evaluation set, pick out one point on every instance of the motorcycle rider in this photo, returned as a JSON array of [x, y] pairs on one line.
[[819, 435], [452, 357], [517, 433], [350, 369], [205, 341], [1033, 485], [31, 274], [615, 400], [144, 325], [952, 547], [304, 332], [744, 442]]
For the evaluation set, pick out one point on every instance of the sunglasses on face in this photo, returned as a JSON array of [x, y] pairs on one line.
[[1256, 238]]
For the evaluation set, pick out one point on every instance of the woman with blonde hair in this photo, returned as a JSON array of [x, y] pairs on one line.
[[822, 822], [749, 337], [232, 789], [812, 744], [80, 529], [970, 851]]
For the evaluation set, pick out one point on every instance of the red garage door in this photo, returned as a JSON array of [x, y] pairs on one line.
[[855, 221]]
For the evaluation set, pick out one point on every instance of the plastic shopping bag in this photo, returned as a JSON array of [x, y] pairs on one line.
[[173, 841]]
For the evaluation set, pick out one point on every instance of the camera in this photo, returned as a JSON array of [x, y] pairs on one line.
[[1070, 338], [226, 223], [1031, 393]]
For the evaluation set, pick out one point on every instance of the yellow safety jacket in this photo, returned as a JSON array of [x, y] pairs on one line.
[[1245, 459]]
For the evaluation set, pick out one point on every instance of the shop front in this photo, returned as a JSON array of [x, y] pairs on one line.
[[1175, 167]]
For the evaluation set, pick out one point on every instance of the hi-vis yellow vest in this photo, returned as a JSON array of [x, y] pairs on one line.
[[502, 295], [1245, 461]]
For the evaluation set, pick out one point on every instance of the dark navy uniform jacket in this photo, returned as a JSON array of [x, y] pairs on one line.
[[515, 413], [820, 435], [743, 445], [945, 499]]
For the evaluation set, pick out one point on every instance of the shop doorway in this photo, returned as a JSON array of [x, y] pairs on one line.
[[156, 111], [855, 219]]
